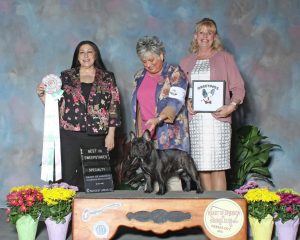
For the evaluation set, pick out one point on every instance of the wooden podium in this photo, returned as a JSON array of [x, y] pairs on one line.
[[221, 215]]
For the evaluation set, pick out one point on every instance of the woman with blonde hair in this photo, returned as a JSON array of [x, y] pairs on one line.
[[210, 133]]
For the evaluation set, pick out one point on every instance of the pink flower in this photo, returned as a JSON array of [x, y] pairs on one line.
[[7, 211], [30, 198], [39, 197], [29, 203], [20, 202], [23, 208]]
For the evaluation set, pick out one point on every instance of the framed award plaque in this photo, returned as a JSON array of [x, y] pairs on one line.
[[208, 96]]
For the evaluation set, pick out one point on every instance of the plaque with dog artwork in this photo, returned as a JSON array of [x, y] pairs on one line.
[[208, 95], [96, 170]]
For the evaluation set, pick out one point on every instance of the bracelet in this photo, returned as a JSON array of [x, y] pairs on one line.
[[234, 104], [160, 120]]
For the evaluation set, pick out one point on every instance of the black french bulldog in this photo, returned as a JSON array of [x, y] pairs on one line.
[[160, 165]]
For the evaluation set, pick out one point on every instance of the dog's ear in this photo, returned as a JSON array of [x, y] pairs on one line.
[[132, 135], [147, 135]]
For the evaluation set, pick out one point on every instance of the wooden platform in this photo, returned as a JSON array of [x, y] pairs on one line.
[[221, 215]]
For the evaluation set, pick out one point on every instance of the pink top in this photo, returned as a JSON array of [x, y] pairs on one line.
[[146, 98], [222, 67]]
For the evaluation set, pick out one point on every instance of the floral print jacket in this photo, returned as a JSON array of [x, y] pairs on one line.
[[173, 133], [100, 112]]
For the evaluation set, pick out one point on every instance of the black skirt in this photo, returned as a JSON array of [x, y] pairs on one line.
[[71, 142]]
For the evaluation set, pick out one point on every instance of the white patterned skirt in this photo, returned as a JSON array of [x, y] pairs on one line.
[[210, 142]]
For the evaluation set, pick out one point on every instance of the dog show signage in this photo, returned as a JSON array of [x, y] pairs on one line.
[[96, 170], [223, 218], [208, 95]]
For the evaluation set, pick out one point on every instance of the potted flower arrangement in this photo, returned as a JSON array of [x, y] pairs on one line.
[[261, 207], [24, 208], [57, 208], [287, 213]]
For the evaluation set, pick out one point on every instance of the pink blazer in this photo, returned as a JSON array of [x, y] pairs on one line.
[[222, 67]]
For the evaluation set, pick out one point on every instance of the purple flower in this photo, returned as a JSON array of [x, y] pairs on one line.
[[246, 187], [62, 185]]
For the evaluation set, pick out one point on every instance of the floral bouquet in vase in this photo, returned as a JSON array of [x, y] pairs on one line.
[[289, 206], [57, 209], [58, 198], [261, 208], [24, 200], [24, 209], [287, 213], [261, 202]]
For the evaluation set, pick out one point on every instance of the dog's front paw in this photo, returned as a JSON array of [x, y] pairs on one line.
[[160, 193], [186, 189], [199, 190], [148, 190]]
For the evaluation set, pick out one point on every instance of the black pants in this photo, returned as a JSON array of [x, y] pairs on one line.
[[71, 142]]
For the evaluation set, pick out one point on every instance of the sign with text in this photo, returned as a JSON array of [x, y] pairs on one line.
[[223, 218], [208, 95], [96, 170]]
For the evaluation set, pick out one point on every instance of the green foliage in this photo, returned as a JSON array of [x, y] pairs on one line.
[[56, 212], [283, 215], [252, 156], [260, 210]]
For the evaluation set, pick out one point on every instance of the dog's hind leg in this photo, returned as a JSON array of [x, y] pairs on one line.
[[162, 189], [149, 186], [187, 181], [192, 172]]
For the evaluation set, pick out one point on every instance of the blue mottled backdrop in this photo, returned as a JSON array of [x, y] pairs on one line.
[[38, 37]]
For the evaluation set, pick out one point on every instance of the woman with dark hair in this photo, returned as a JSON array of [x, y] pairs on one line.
[[98, 60], [210, 133], [89, 109]]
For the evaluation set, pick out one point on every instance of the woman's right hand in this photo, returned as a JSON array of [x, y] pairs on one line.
[[189, 106], [40, 91]]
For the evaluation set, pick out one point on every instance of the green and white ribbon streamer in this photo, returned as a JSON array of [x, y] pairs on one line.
[[51, 141]]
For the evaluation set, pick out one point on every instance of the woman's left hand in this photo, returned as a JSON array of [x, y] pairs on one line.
[[224, 111], [110, 139]]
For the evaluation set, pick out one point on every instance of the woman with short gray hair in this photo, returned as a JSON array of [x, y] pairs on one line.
[[158, 101], [148, 45]]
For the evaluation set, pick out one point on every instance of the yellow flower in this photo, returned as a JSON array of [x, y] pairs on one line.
[[22, 188], [261, 194], [53, 196]]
